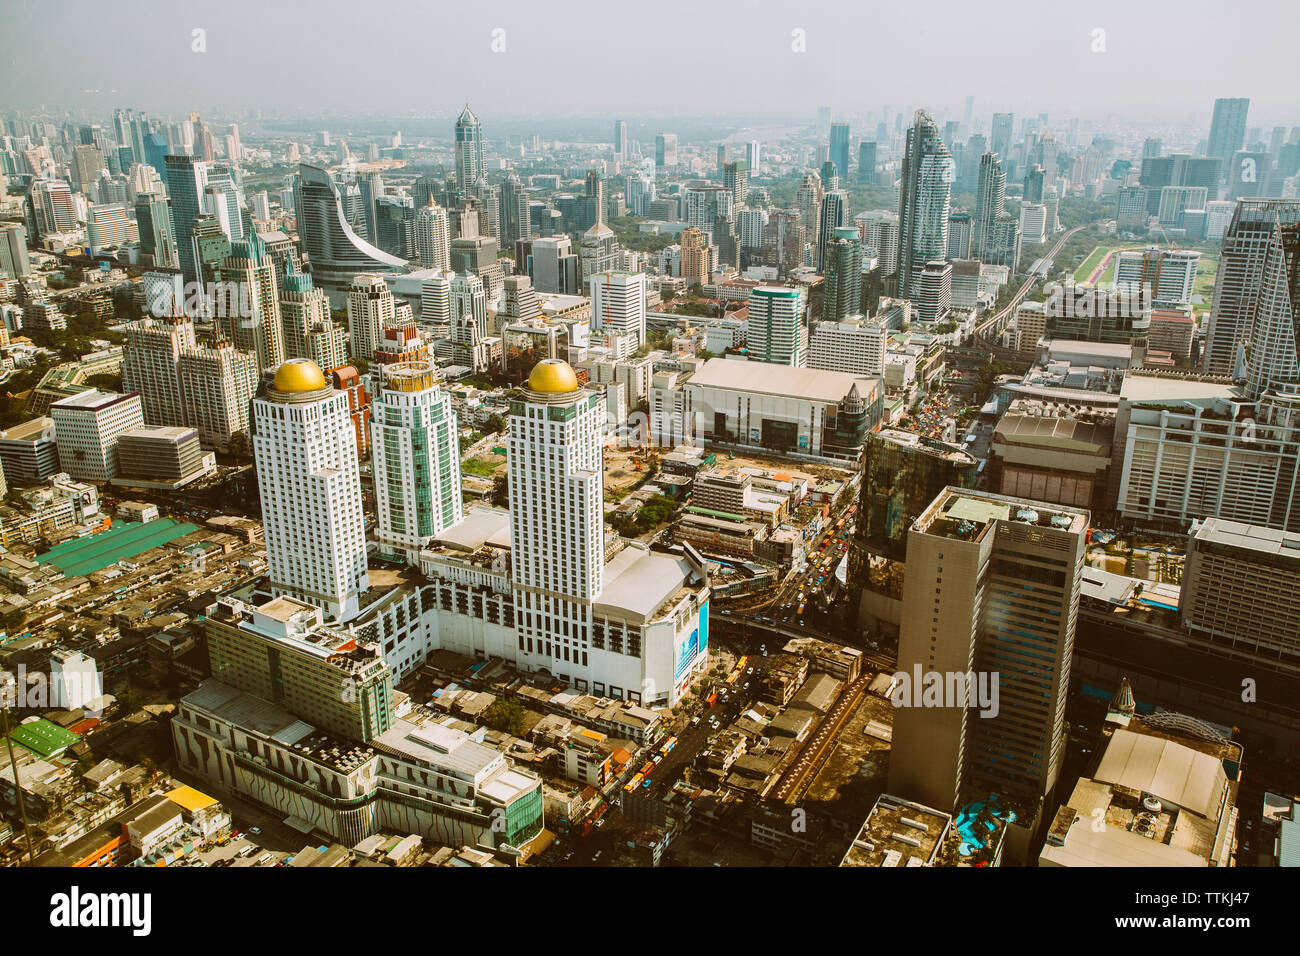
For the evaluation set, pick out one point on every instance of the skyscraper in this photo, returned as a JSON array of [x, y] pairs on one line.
[[336, 252], [257, 329], [14, 261], [840, 149], [154, 222], [431, 238], [989, 606], [867, 162], [309, 479], [470, 162], [620, 140], [618, 303], [842, 295], [370, 305], [776, 331], [665, 152], [1227, 129], [1000, 136], [925, 190], [834, 214], [151, 367], [415, 457], [1259, 240], [556, 468], [309, 330], [187, 178]]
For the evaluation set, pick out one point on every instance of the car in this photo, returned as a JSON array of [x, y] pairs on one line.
[[600, 822], [596, 856], [694, 721], [255, 830]]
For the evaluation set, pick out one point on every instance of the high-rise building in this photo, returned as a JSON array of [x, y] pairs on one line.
[[415, 458], [840, 149], [151, 367], [1001, 133], [336, 252], [154, 223], [515, 222], [14, 262], [665, 152], [753, 157], [187, 178], [925, 190], [253, 322], [309, 330], [431, 238], [620, 140], [960, 227], [370, 305], [1258, 247], [776, 331], [471, 165], [1003, 246], [735, 178], [989, 610], [218, 383], [990, 202], [618, 304], [557, 568], [87, 426], [309, 479], [855, 345], [696, 264], [842, 291], [834, 215], [867, 162], [1227, 128], [51, 207]]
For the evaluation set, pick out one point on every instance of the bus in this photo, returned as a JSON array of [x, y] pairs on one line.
[[632, 784], [670, 744]]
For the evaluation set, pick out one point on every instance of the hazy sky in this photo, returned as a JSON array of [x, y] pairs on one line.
[[1164, 59]]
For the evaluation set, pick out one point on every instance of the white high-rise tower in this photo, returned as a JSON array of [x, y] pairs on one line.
[[556, 522], [305, 450], [432, 237]]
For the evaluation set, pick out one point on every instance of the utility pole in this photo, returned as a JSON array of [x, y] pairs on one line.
[[18, 788]]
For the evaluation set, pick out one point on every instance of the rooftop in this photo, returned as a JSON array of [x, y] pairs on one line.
[[810, 384], [898, 832]]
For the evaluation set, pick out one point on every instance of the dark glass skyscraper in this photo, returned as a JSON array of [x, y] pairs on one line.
[[924, 196], [840, 149]]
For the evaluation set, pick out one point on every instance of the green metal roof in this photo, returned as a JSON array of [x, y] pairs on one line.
[[80, 556], [44, 738]]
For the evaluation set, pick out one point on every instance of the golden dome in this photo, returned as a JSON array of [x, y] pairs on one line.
[[299, 375], [553, 375]]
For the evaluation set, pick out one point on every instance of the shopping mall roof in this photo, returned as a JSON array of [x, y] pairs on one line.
[[81, 556]]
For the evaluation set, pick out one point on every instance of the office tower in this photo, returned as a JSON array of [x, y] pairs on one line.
[[186, 182], [1033, 222], [959, 235], [753, 157], [337, 254], [830, 176], [696, 256], [749, 226], [665, 152], [520, 302], [435, 300], [426, 190], [552, 265], [834, 214], [555, 469], [1151, 148], [1000, 135], [479, 256], [880, 232], [14, 262], [735, 179], [515, 224], [1174, 200], [87, 426], [309, 480], [1169, 274], [1241, 587], [925, 189], [151, 367], [855, 345], [808, 199], [469, 323], [840, 149], [470, 163], [253, 323], [1227, 129], [991, 597], [87, 161], [1035, 180], [370, 305], [702, 205], [1003, 246], [640, 193], [1255, 246], [618, 304], [308, 329], [1273, 357], [867, 163], [430, 237], [933, 296], [107, 226], [221, 200], [776, 331], [154, 224], [842, 291], [52, 207], [620, 140], [415, 458]]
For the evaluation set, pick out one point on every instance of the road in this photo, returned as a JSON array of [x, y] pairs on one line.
[[995, 320]]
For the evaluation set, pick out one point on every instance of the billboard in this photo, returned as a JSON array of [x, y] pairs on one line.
[[693, 644]]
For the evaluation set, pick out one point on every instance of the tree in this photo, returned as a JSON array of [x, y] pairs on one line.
[[505, 714], [501, 490], [495, 425], [13, 620]]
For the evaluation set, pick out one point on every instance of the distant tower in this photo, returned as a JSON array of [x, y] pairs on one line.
[[432, 237], [470, 164]]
